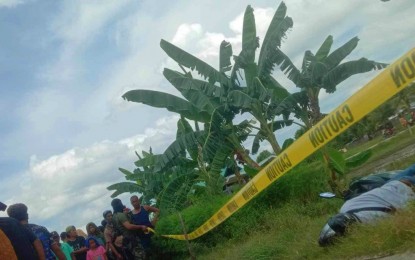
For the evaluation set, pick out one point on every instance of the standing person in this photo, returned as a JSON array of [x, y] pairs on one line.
[[93, 231], [77, 243], [6, 247], [66, 249], [113, 243], [25, 244], [50, 248], [408, 118], [140, 216], [129, 231], [403, 121], [95, 250]]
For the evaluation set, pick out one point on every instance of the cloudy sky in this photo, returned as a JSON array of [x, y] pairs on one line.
[[64, 128]]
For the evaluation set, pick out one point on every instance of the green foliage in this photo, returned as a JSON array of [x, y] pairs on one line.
[[299, 187], [225, 54], [193, 63], [277, 30], [123, 187], [263, 155], [168, 101], [358, 159], [324, 71], [189, 168], [337, 161], [175, 197], [287, 143]]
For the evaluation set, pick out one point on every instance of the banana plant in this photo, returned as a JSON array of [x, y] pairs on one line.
[[215, 96], [262, 93], [323, 70], [142, 180]]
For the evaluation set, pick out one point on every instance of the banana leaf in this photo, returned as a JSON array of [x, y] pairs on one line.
[[249, 45], [324, 49], [175, 196], [359, 159], [334, 58], [225, 54], [347, 69], [193, 63], [336, 160], [124, 187], [240, 99], [277, 30], [167, 101]]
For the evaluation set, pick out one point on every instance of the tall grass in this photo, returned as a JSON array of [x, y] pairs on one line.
[[284, 221], [293, 235], [299, 187]]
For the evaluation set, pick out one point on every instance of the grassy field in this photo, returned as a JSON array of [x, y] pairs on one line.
[[291, 230], [382, 147], [291, 234]]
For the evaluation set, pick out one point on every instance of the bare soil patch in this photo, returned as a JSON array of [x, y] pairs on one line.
[[383, 163]]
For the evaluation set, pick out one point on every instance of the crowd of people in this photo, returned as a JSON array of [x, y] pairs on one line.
[[124, 234]]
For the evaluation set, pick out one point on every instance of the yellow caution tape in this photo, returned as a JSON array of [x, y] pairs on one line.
[[149, 229], [389, 82]]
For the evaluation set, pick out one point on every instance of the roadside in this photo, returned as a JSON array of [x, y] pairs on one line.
[[384, 163], [398, 153]]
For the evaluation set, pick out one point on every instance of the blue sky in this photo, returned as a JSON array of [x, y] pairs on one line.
[[64, 65]]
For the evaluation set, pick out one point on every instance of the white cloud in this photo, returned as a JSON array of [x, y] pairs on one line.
[[187, 33], [70, 188], [80, 22], [77, 26], [79, 110], [10, 3], [194, 39]]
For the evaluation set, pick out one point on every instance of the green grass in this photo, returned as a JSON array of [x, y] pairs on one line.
[[383, 147], [288, 232], [285, 220], [291, 234]]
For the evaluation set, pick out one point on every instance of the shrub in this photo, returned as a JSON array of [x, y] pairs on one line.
[[299, 187]]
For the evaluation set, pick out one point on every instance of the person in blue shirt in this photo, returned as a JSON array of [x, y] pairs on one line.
[[140, 215]]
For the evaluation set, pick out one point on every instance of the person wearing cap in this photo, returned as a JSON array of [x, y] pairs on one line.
[[18, 211], [129, 231], [113, 243], [66, 249], [76, 242], [371, 205]]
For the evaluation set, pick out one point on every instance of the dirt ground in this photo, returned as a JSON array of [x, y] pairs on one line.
[[382, 164]]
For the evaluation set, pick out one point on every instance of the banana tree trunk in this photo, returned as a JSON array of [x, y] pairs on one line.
[[273, 141], [241, 153], [238, 176], [315, 113], [269, 133], [333, 178]]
